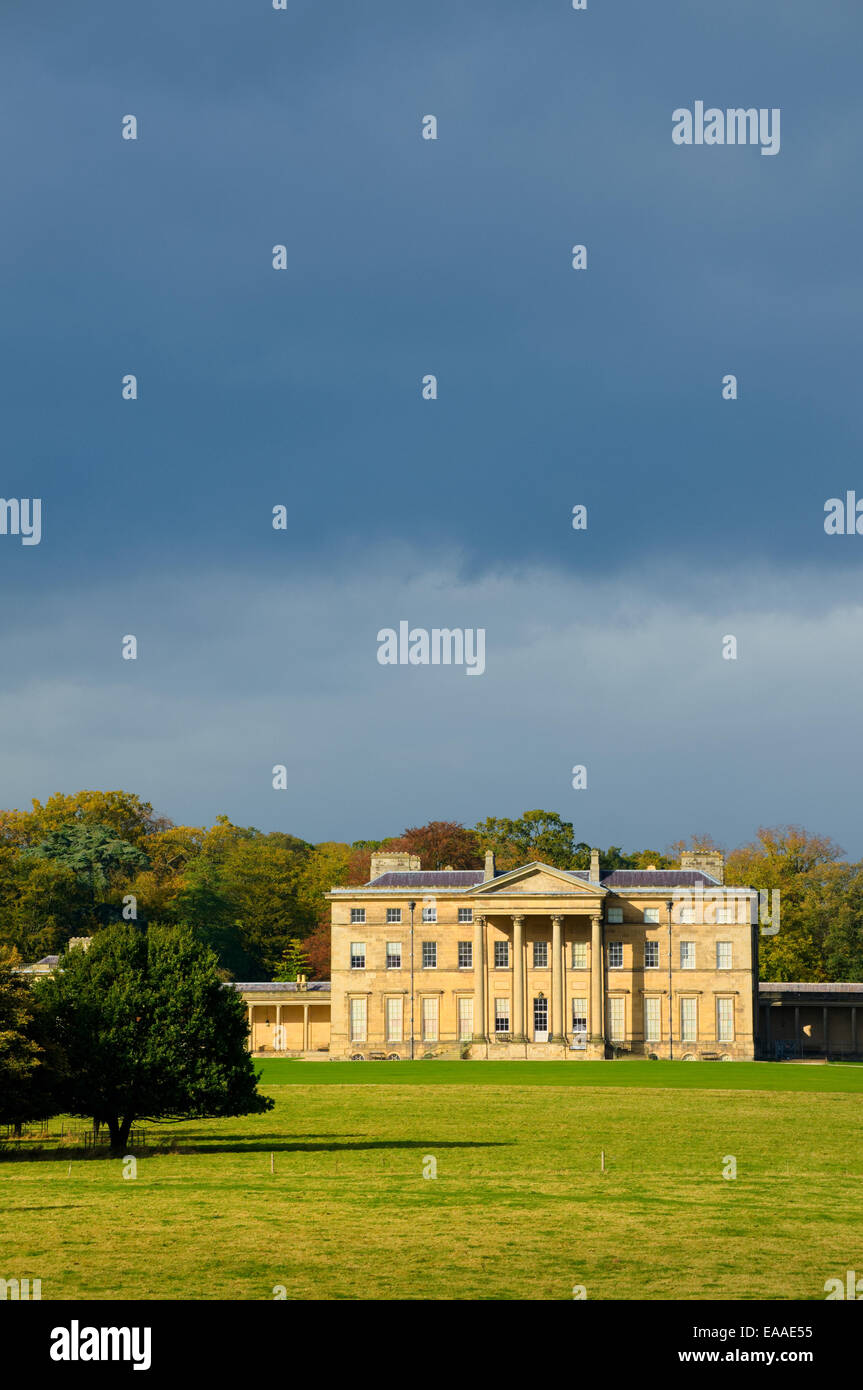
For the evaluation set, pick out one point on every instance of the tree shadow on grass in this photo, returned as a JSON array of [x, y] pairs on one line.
[[373, 1145], [308, 1144]]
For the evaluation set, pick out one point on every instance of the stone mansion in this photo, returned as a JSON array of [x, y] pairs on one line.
[[541, 962]]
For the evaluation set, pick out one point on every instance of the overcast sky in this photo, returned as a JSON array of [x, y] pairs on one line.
[[556, 387]]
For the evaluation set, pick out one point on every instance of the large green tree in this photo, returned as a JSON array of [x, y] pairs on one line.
[[95, 853], [149, 1031], [260, 878], [536, 835]]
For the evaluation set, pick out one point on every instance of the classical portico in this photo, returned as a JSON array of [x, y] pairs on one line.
[[540, 914], [538, 993]]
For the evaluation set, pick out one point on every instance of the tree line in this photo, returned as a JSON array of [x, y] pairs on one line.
[[75, 864]]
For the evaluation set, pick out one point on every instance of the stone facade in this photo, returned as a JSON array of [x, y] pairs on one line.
[[288, 1019], [542, 962]]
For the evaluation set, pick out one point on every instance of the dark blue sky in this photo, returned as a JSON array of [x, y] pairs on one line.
[[406, 257]]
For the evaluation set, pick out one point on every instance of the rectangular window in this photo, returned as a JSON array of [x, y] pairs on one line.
[[501, 1015], [652, 1020], [358, 1020], [540, 955], [394, 914], [651, 914], [394, 955], [615, 955], [688, 1020], [465, 955], [358, 955], [394, 1020], [579, 955], [501, 956], [687, 955], [579, 1015], [687, 914], [723, 955], [429, 914], [651, 955], [725, 1020], [540, 1019], [465, 1019], [616, 1016], [429, 955], [725, 914], [430, 1020], [358, 914], [615, 914], [465, 914]]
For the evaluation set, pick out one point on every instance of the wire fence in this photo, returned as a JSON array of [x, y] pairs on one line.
[[89, 1141]]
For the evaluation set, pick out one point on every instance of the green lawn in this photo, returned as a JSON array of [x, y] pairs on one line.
[[713, 1076], [519, 1207]]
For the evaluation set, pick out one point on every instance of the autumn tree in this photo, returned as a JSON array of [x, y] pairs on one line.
[[800, 867], [318, 948], [700, 843], [441, 844], [42, 904], [30, 1067], [129, 817], [325, 866]]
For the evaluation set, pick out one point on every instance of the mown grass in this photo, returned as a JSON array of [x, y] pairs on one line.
[[519, 1207], [724, 1076]]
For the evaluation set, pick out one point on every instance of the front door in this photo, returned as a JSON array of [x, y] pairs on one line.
[[540, 1020]]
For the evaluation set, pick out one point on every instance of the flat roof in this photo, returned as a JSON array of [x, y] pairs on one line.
[[313, 986], [809, 987]]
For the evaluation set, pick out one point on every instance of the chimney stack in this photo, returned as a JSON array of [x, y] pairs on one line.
[[594, 866], [709, 861], [392, 862], [489, 865]]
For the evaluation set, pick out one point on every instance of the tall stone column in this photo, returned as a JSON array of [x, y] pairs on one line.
[[597, 1023], [518, 1034], [558, 1023], [480, 1033]]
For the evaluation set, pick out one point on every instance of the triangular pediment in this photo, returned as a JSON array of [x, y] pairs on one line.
[[538, 879]]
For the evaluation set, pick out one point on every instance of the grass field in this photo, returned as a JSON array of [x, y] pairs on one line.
[[519, 1207]]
